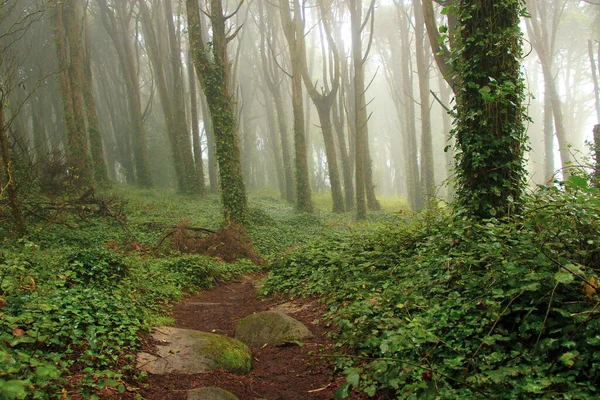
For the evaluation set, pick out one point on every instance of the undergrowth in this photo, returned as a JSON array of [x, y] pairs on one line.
[[447, 308], [77, 295]]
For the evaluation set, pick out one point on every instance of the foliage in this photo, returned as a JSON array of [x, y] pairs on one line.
[[489, 128], [450, 307], [74, 302]]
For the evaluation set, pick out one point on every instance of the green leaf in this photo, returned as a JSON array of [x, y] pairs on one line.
[[563, 277], [568, 359], [13, 389], [353, 378], [343, 391]]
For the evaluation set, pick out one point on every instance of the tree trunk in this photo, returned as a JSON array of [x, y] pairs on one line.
[[427, 169], [196, 142], [214, 74], [70, 61], [490, 168], [96, 148], [8, 183], [303, 192], [116, 24], [595, 78]]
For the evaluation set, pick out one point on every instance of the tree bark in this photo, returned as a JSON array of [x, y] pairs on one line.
[[96, 147], [427, 169], [292, 31], [69, 49], [214, 75], [8, 182], [117, 24]]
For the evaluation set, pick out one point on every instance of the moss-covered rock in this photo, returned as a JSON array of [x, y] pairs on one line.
[[271, 328], [190, 352]]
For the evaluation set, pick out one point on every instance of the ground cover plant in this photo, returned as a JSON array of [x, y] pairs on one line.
[[76, 295], [437, 306]]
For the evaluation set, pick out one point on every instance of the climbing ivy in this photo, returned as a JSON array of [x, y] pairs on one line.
[[489, 128]]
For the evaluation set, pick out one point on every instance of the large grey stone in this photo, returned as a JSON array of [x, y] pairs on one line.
[[191, 352], [210, 393], [271, 328]]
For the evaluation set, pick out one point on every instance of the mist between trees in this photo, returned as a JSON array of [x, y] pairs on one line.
[[353, 98]]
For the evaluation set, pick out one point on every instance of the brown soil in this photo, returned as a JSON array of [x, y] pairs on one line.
[[282, 373]]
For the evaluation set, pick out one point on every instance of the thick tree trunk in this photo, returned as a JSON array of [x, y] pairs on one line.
[[214, 74], [491, 171]]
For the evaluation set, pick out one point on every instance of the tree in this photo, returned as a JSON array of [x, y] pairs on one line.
[[169, 80], [293, 29], [213, 69], [273, 80], [363, 173], [96, 149], [69, 51], [542, 30], [116, 19], [427, 172], [489, 128], [323, 101]]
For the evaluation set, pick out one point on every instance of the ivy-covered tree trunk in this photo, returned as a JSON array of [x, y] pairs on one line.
[[489, 129], [213, 72]]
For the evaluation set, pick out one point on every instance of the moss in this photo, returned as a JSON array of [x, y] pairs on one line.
[[229, 354]]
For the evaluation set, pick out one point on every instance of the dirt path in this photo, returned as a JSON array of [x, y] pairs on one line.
[[283, 373]]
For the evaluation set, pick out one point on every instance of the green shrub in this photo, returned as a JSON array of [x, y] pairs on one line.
[[446, 307]]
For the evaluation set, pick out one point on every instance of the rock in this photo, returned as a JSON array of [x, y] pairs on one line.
[[188, 351], [210, 393], [292, 308], [273, 328]]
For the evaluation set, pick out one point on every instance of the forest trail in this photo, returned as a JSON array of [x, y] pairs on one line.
[[285, 372]]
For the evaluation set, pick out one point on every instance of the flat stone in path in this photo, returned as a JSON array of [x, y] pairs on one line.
[[210, 393], [188, 351], [271, 328]]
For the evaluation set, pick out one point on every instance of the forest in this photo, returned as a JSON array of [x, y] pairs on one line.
[[417, 181]]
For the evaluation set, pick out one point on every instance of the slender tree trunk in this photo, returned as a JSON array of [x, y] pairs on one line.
[[291, 30], [275, 145], [116, 24], [427, 169], [196, 142], [70, 61], [213, 168], [8, 183], [96, 148], [597, 155], [595, 79], [338, 123], [415, 196]]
